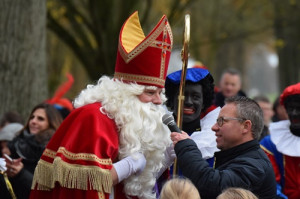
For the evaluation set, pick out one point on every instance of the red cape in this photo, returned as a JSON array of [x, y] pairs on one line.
[[77, 161]]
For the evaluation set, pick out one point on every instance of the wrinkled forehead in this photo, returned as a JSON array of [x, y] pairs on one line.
[[293, 105], [292, 101], [228, 77], [228, 110], [193, 88], [263, 104]]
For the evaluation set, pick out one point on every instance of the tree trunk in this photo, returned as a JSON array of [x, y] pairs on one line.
[[287, 31], [23, 73]]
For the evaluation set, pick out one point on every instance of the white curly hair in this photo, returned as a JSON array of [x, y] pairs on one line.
[[140, 126]]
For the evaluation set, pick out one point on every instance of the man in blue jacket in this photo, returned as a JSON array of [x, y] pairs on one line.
[[240, 163]]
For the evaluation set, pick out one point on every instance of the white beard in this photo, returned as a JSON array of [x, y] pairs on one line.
[[144, 133], [141, 129]]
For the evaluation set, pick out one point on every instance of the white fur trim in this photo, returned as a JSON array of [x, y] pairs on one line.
[[285, 141], [206, 138]]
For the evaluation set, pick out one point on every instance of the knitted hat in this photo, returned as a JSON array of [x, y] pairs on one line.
[[9, 131]]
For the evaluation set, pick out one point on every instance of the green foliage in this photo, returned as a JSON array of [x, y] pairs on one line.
[[91, 27], [222, 32]]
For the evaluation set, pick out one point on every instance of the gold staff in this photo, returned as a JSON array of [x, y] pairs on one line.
[[184, 58], [8, 185]]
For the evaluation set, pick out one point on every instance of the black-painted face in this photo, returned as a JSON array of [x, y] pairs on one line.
[[293, 111], [193, 103]]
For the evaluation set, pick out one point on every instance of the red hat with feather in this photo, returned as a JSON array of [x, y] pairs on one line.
[[58, 99]]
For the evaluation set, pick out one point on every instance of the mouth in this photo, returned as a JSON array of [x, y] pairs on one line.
[[295, 121], [227, 93], [33, 128], [188, 111], [218, 137]]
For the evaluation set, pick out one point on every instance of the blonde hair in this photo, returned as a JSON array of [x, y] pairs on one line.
[[236, 193], [179, 188]]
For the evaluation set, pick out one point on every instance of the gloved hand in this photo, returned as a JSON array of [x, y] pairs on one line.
[[170, 155], [132, 164], [169, 159], [3, 167]]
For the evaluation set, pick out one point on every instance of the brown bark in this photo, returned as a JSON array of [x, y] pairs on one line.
[[23, 73]]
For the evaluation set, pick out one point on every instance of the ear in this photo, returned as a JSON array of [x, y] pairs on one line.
[[247, 126]]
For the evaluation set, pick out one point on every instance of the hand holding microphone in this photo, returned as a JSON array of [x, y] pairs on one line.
[[175, 137], [168, 120]]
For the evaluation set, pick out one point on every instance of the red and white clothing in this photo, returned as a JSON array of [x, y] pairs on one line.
[[283, 150], [77, 161]]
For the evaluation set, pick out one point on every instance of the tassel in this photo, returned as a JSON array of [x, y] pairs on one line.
[[71, 176]]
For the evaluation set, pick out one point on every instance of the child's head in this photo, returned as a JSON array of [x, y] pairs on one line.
[[236, 193], [179, 188]]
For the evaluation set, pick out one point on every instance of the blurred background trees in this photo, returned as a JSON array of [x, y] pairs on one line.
[[287, 34], [90, 30], [260, 38]]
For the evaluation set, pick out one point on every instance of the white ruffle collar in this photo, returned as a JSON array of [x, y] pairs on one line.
[[285, 141], [206, 138]]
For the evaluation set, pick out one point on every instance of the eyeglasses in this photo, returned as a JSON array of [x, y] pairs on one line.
[[220, 120]]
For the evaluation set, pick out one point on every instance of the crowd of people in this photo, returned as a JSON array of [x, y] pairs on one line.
[[112, 142]]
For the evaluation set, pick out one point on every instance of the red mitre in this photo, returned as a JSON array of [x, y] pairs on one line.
[[141, 59], [290, 90]]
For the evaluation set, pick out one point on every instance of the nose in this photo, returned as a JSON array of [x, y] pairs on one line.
[[215, 127], [188, 101], [157, 99], [33, 120], [295, 112]]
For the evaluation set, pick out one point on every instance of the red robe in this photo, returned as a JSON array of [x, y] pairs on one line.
[[77, 161], [283, 150]]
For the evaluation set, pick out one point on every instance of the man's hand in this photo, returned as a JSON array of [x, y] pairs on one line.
[[176, 137]]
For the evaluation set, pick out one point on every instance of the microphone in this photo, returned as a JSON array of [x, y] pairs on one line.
[[168, 120]]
